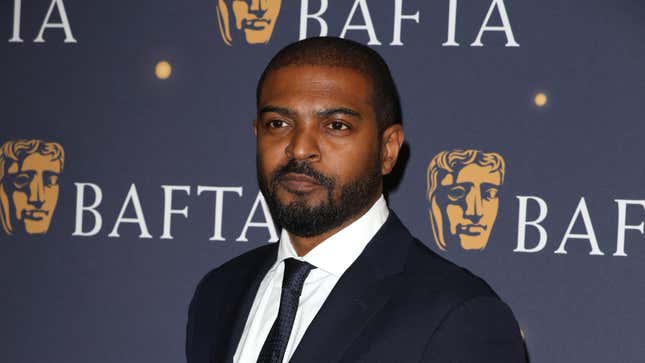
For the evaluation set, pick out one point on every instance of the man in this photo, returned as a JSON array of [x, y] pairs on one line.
[[463, 188], [256, 18], [346, 282], [29, 172]]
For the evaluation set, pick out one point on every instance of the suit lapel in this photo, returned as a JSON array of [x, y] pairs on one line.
[[359, 294], [240, 303]]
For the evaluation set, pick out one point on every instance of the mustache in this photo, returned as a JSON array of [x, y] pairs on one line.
[[298, 167], [254, 20], [465, 228], [36, 214], [468, 225]]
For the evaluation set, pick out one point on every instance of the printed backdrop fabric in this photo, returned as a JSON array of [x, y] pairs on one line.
[[128, 161]]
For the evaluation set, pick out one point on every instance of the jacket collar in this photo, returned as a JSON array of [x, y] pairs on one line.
[[248, 284], [362, 290], [358, 295]]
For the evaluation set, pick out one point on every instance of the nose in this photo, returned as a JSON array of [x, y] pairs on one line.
[[258, 8], [36, 191], [303, 145], [474, 205]]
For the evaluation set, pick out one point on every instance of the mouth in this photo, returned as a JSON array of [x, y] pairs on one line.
[[256, 24], [299, 183], [471, 229], [35, 214]]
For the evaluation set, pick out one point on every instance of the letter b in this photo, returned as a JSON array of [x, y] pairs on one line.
[[81, 208], [522, 223]]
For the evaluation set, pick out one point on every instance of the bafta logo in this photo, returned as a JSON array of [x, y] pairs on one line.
[[255, 18], [29, 172], [463, 187]]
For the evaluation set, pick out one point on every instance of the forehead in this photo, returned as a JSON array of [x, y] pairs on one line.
[[477, 174], [36, 162], [316, 86]]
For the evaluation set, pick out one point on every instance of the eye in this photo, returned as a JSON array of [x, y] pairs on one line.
[[490, 193], [338, 126], [456, 193], [21, 181], [276, 124], [51, 180]]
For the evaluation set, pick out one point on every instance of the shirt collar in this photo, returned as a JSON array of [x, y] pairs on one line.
[[335, 254]]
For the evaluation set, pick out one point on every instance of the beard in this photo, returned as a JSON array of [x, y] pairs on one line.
[[303, 220]]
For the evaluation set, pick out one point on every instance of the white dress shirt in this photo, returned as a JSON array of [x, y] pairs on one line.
[[331, 258]]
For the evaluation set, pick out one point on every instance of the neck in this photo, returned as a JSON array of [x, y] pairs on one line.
[[303, 245]]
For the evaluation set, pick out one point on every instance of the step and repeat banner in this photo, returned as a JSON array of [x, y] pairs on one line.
[[127, 161]]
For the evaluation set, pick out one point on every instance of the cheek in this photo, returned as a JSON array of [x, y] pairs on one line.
[[273, 11], [350, 159], [270, 157], [51, 197], [263, 169], [240, 10], [455, 214], [489, 210], [19, 200]]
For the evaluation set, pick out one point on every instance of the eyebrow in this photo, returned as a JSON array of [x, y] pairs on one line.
[[470, 184], [322, 113], [28, 171], [35, 170], [489, 185], [339, 110], [279, 110]]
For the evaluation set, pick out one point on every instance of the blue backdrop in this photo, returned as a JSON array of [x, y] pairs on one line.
[[555, 88]]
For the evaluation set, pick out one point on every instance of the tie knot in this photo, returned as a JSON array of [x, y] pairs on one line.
[[295, 273]]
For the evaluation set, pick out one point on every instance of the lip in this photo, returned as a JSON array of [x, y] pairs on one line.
[[299, 183], [257, 24], [35, 214], [472, 229]]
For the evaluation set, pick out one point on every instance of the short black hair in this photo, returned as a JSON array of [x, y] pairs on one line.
[[339, 52]]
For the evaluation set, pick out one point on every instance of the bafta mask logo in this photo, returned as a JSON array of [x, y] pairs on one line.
[[463, 187], [255, 18], [29, 172]]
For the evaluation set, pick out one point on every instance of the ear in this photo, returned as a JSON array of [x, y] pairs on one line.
[[255, 127], [391, 142]]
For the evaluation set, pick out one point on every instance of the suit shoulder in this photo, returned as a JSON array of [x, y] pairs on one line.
[[238, 265], [434, 274]]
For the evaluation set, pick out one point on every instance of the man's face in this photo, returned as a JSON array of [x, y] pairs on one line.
[[32, 188], [317, 147], [257, 18], [470, 202]]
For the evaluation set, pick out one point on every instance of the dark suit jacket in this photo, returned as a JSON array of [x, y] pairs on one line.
[[398, 302]]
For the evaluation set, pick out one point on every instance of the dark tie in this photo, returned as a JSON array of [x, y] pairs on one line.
[[295, 273]]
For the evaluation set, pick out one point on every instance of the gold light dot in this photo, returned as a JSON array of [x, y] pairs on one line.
[[522, 333], [163, 70], [540, 99]]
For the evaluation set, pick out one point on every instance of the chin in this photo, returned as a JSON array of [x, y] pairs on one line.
[[470, 243], [256, 36], [307, 200], [39, 228]]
